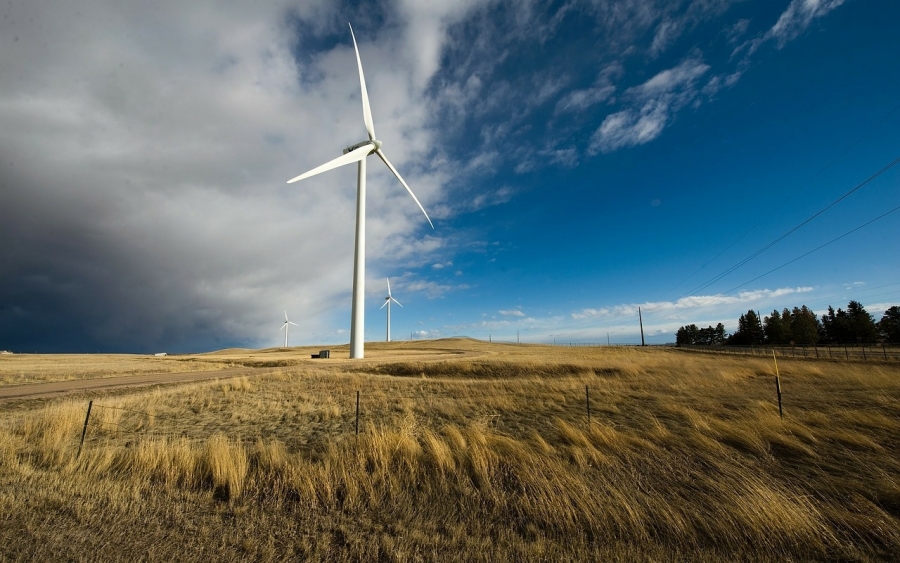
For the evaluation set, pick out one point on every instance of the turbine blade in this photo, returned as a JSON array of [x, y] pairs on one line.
[[367, 111], [285, 317], [353, 156], [389, 286], [397, 174], [382, 306], [293, 323], [284, 326], [395, 301]]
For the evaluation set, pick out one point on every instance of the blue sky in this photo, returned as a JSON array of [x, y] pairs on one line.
[[579, 159]]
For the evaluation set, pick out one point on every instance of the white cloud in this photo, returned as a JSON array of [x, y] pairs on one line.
[[621, 321], [631, 127], [579, 100], [652, 106], [737, 30], [426, 30], [791, 24], [797, 17], [432, 289], [511, 312], [672, 80], [666, 32], [694, 302]]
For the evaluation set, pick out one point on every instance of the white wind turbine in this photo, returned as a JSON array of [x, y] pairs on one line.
[[285, 328], [358, 153], [387, 302]]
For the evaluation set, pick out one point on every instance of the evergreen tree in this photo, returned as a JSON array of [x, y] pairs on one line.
[[889, 325], [862, 325], [749, 331], [687, 335], [836, 326], [804, 327], [720, 334], [692, 335], [777, 328]]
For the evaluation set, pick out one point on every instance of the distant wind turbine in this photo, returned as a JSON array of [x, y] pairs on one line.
[[285, 327], [387, 302], [358, 153]]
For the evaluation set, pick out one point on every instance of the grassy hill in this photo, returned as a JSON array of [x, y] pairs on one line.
[[467, 451]]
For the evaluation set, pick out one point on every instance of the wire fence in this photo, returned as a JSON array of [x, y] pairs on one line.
[[854, 353], [113, 422], [129, 425]]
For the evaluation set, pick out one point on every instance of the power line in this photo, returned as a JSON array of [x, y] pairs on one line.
[[788, 198], [866, 224], [724, 293], [795, 229]]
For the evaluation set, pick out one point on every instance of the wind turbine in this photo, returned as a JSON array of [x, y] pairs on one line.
[[387, 301], [358, 153], [285, 328]]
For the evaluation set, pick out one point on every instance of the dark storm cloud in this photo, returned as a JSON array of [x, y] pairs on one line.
[[143, 154]]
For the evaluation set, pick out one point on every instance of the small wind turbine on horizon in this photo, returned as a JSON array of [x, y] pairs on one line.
[[387, 302], [358, 153], [285, 327]]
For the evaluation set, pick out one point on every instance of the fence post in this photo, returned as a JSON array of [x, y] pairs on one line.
[[863, 346], [587, 398], [846, 353], [84, 430], [357, 413], [817, 352], [778, 386]]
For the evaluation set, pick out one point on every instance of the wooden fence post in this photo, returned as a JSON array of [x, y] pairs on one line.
[[84, 430], [587, 397], [778, 389], [778, 386]]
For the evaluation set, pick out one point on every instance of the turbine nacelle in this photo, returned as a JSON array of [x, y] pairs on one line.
[[376, 145]]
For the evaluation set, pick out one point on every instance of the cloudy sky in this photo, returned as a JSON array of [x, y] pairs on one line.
[[579, 159]]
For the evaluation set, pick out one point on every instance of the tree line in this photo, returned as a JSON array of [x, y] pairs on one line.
[[800, 327]]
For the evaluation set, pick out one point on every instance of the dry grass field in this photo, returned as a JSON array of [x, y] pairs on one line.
[[466, 451], [18, 369]]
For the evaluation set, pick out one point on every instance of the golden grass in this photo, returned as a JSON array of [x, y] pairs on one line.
[[18, 369], [485, 457]]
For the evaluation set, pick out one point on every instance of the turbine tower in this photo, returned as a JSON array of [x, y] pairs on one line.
[[285, 328], [358, 153], [387, 302]]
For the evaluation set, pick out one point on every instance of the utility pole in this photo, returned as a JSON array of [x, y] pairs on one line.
[[641, 320], [607, 339]]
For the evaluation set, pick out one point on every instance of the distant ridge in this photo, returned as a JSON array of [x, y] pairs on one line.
[[227, 351]]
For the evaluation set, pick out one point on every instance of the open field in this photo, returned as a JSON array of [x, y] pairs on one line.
[[20, 369], [467, 451]]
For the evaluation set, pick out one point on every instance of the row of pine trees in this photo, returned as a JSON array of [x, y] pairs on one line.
[[800, 327]]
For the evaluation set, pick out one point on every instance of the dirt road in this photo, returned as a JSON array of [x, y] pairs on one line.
[[296, 359], [59, 388]]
